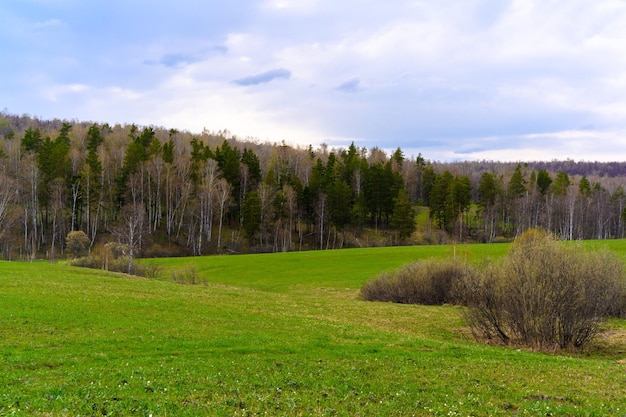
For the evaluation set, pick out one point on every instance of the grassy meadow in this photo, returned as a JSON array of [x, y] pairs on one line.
[[275, 334]]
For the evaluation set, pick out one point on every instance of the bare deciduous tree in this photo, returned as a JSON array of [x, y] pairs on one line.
[[223, 190], [130, 229], [8, 192]]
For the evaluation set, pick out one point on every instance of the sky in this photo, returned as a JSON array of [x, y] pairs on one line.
[[507, 80]]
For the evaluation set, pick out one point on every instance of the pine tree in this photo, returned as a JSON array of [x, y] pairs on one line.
[[403, 216]]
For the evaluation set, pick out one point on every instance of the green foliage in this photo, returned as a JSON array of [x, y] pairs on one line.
[[403, 216], [488, 189], [53, 162], [543, 181], [584, 187], [353, 191], [462, 197], [138, 151], [200, 153], [53, 159], [428, 182], [253, 164], [168, 152], [359, 212], [449, 197], [517, 183], [251, 214], [339, 202], [439, 209], [94, 138], [228, 159], [382, 184], [32, 139], [561, 183], [92, 171], [352, 163]]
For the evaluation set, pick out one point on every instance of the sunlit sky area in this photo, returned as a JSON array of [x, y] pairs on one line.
[[504, 80]]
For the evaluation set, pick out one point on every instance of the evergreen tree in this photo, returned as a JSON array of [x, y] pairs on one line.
[[428, 181], [543, 181], [339, 203], [487, 189], [561, 184], [403, 216], [441, 199], [517, 183], [584, 187], [32, 139], [251, 214]]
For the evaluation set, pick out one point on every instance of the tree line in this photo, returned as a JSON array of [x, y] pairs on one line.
[[164, 192], [493, 205]]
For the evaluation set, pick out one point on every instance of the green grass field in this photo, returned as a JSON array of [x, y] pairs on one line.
[[279, 334]]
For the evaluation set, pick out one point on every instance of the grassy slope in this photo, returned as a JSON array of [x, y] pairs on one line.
[[279, 334]]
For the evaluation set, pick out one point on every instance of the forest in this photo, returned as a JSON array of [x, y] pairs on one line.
[[164, 192]]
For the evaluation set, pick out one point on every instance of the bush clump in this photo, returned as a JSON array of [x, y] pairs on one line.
[[544, 294], [189, 276], [113, 257], [429, 282], [77, 244]]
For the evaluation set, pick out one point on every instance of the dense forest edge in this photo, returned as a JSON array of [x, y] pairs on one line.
[[101, 192]]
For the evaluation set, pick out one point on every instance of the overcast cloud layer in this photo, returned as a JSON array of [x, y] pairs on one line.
[[454, 80]]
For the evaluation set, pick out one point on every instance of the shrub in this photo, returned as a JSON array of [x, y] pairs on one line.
[[77, 243], [188, 276], [544, 294], [116, 249], [148, 270], [427, 282], [90, 261], [157, 250]]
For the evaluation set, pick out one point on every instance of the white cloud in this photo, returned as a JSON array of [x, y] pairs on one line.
[[54, 93], [451, 77], [299, 6], [49, 23], [579, 145]]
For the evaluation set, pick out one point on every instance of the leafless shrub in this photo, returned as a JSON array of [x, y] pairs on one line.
[[90, 261], [149, 270], [189, 276], [426, 282], [115, 249], [544, 294]]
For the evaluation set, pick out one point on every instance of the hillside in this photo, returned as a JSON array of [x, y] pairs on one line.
[[282, 334], [154, 191]]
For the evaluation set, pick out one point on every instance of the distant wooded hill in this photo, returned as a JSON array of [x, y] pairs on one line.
[[165, 192]]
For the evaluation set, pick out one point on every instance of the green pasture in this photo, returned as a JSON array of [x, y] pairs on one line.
[[285, 272], [279, 334]]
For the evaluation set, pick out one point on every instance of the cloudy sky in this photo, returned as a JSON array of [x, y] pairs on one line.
[[451, 79]]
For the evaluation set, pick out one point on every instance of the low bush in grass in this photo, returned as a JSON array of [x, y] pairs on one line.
[[111, 257], [90, 261], [430, 282], [544, 294], [189, 276], [77, 244]]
